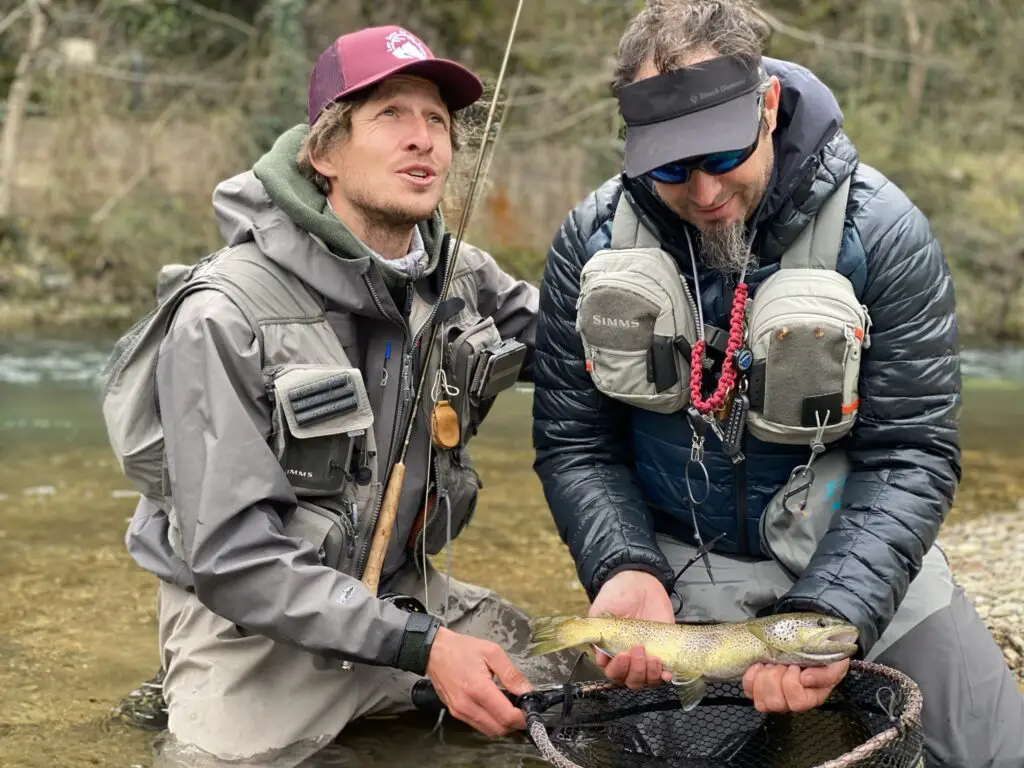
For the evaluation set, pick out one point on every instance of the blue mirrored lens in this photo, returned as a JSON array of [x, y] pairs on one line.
[[678, 172], [671, 173], [722, 162]]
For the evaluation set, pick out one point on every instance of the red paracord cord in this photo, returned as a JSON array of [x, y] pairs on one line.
[[728, 378]]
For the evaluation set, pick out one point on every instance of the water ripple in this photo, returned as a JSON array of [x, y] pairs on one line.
[[993, 364], [39, 362], [36, 362]]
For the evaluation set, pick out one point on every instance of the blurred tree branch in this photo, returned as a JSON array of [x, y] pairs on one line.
[[833, 44], [17, 101], [931, 92], [12, 17]]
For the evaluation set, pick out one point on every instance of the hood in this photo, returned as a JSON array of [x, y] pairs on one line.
[[284, 213], [812, 155]]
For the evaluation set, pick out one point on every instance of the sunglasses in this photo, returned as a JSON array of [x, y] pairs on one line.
[[713, 164]]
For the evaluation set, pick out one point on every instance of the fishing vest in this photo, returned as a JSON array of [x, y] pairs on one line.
[[321, 415], [803, 336], [804, 331]]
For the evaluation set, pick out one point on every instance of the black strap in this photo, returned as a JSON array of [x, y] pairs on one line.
[[420, 631], [755, 385]]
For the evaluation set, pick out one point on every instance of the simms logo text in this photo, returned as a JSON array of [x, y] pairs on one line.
[[614, 322]]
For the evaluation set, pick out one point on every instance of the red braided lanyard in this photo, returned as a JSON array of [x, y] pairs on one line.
[[728, 378]]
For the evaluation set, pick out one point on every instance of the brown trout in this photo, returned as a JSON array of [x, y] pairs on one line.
[[696, 653]]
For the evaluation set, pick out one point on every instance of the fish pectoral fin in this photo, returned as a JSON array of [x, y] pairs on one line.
[[689, 690], [605, 651]]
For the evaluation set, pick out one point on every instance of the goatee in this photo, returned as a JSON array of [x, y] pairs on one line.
[[724, 249]]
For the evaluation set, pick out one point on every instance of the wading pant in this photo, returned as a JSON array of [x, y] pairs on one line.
[[973, 713], [247, 701]]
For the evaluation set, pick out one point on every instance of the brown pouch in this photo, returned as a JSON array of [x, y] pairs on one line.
[[444, 425]]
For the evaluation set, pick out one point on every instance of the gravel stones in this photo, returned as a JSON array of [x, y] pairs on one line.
[[986, 555]]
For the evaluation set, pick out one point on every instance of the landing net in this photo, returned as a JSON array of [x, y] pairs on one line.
[[871, 720]]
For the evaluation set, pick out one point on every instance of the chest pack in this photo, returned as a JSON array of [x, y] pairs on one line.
[[320, 409], [803, 335]]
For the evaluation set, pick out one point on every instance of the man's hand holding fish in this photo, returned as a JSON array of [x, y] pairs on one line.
[[633, 595], [790, 688], [774, 687]]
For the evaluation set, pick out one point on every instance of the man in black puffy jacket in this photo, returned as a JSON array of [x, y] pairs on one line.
[[731, 160]]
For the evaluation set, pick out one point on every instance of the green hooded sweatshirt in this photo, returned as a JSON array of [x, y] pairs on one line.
[[299, 198]]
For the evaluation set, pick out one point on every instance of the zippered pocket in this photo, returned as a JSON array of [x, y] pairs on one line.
[[791, 528], [470, 335], [332, 532], [806, 368], [322, 426], [456, 490]]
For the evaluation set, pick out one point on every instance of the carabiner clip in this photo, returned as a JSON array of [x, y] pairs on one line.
[[804, 488]]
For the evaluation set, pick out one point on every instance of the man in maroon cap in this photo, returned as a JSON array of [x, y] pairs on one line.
[[285, 383]]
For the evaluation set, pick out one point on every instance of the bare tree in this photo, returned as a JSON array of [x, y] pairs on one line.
[[17, 101]]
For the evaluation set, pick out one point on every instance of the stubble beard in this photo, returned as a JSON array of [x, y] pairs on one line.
[[389, 218], [385, 223]]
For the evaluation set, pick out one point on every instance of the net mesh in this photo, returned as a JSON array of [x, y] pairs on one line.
[[871, 720]]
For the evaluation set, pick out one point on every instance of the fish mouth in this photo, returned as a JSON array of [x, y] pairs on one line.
[[846, 636], [831, 645]]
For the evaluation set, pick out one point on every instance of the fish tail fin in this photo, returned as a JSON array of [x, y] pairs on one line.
[[554, 633]]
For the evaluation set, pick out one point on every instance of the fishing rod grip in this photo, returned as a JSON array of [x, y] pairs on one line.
[[385, 524], [425, 698]]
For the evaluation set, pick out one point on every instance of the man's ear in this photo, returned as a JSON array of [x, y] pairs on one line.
[[772, 97], [325, 166]]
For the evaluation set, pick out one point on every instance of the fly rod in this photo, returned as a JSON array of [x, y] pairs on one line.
[[393, 493]]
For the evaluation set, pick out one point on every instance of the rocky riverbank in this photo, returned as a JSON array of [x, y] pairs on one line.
[[986, 554]]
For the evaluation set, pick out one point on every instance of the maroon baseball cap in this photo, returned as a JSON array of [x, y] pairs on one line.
[[360, 59]]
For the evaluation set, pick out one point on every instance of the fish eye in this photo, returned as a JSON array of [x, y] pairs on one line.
[[822, 622]]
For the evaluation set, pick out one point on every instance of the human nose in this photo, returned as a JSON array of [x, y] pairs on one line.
[[704, 189], [419, 139]]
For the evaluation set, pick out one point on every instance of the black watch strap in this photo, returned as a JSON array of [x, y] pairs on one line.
[[419, 635]]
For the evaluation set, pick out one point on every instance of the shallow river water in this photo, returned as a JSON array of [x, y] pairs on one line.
[[77, 628]]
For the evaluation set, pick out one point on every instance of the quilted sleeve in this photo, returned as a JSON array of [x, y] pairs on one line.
[[579, 434], [904, 449]]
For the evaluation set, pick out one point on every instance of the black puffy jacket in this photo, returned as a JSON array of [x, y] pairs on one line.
[[904, 448]]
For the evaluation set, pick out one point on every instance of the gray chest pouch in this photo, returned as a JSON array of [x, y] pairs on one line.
[[636, 318], [322, 421], [481, 365], [807, 330]]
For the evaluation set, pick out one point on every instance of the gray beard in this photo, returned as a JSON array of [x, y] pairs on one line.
[[723, 249]]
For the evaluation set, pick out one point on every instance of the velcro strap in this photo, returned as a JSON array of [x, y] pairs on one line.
[[331, 397], [419, 634]]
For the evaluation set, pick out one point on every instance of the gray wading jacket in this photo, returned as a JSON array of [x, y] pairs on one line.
[[904, 448], [231, 494]]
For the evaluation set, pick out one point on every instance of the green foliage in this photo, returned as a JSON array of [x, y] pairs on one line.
[[930, 90], [521, 263], [283, 71], [168, 30]]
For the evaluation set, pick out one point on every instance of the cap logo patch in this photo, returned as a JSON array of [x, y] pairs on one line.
[[403, 45]]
